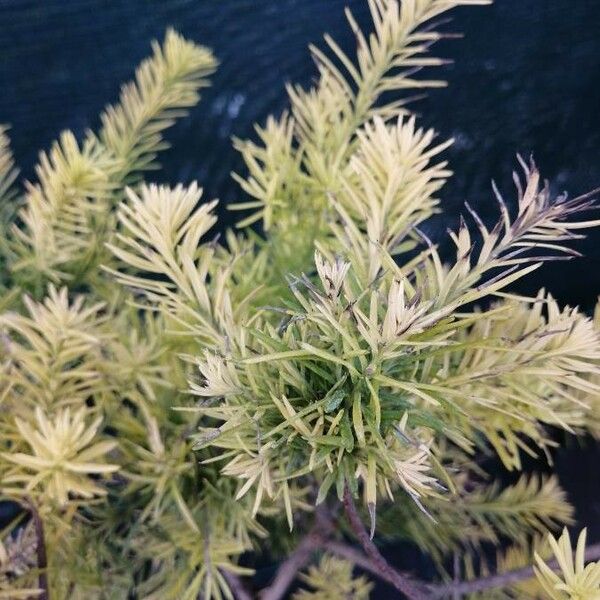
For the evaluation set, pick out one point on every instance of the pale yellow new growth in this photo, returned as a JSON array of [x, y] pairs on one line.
[[332, 579], [54, 355], [302, 161], [61, 458], [67, 215], [8, 172], [575, 580], [59, 219], [165, 86]]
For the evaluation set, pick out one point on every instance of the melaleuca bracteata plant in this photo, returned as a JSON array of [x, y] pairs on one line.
[[176, 409]]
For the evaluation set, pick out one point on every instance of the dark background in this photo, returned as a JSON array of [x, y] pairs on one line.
[[526, 78]]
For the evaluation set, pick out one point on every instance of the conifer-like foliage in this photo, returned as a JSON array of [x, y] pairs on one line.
[[576, 579], [176, 409]]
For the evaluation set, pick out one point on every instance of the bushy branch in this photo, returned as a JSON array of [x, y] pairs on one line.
[[67, 215], [181, 402]]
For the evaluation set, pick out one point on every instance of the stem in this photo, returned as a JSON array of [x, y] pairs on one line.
[[400, 581], [454, 589], [501, 579], [322, 528], [373, 562], [42, 561], [288, 570], [356, 557], [236, 585]]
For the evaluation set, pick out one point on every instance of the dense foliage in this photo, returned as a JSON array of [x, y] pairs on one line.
[[172, 405]]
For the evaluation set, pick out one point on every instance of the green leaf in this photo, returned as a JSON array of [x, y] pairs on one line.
[[335, 400], [325, 487], [346, 431]]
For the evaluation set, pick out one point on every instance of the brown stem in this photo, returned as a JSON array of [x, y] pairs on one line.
[[400, 581], [236, 585], [454, 589], [356, 557], [295, 562], [501, 579], [322, 528], [42, 561]]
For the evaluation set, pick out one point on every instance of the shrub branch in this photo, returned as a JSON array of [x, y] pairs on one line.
[[42, 561], [401, 582]]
